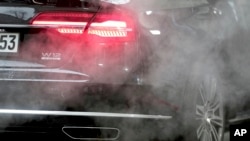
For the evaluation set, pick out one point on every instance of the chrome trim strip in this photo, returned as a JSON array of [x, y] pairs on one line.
[[43, 80], [44, 70], [33, 26], [102, 128], [83, 114], [8, 63]]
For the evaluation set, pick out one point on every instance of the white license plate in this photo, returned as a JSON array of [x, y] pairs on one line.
[[9, 42]]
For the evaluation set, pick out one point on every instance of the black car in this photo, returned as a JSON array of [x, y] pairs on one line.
[[72, 69]]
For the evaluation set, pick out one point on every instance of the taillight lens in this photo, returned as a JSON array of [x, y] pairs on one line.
[[105, 27]]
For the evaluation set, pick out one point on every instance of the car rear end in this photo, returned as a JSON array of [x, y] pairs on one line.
[[98, 44], [72, 70]]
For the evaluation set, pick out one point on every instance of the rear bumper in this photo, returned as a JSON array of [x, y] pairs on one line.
[[40, 115], [40, 127], [44, 110]]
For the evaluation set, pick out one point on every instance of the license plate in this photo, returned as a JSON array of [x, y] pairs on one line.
[[9, 42]]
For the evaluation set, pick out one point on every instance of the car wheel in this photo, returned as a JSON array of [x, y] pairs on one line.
[[206, 120], [209, 112]]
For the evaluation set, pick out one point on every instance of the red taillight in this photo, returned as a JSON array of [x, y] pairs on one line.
[[108, 33], [105, 27], [61, 19], [70, 30]]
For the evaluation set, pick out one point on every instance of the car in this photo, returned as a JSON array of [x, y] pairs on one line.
[[72, 70]]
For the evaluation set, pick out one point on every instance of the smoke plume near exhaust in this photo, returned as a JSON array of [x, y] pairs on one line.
[[201, 45]]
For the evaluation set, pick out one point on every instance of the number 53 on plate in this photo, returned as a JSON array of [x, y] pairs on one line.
[[9, 42]]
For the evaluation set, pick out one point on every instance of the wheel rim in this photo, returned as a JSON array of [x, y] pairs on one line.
[[209, 112]]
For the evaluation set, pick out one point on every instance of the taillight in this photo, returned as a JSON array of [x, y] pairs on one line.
[[105, 26]]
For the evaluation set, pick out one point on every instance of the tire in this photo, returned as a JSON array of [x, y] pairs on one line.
[[204, 114]]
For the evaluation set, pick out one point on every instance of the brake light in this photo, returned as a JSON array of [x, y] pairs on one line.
[[60, 19], [105, 26], [108, 33], [59, 23], [70, 30]]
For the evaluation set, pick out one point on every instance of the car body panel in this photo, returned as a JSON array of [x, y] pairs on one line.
[[42, 44]]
